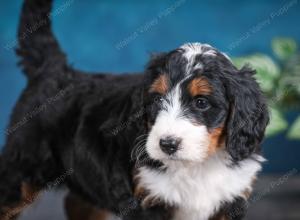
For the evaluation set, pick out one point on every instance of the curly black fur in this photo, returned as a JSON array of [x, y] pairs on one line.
[[68, 120]]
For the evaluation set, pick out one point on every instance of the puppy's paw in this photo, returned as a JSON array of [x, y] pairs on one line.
[[125, 207]]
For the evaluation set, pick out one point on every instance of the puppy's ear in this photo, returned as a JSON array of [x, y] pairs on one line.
[[248, 116], [155, 66]]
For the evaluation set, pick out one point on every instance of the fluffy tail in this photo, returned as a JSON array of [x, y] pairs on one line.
[[38, 47]]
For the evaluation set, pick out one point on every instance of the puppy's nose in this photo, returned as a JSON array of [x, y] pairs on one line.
[[169, 145]]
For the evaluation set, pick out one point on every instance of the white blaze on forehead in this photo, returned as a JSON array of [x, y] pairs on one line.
[[172, 103], [191, 50]]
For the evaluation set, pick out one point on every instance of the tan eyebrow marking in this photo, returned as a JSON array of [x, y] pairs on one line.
[[160, 85], [199, 86]]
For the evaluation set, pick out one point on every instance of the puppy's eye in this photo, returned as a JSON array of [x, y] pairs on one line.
[[202, 103]]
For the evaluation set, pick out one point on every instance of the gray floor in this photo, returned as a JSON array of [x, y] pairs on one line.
[[275, 198], [48, 207]]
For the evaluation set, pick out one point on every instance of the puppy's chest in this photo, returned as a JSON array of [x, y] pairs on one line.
[[197, 193]]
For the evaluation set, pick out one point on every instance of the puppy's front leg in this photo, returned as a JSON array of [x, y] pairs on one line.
[[233, 211], [152, 213], [16, 194]]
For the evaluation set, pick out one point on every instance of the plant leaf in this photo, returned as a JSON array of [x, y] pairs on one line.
[[277, 123], [267, 70], [294, 131], [292, 73], [284, 47]]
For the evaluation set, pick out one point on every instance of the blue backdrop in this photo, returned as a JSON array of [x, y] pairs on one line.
[[119, 35]]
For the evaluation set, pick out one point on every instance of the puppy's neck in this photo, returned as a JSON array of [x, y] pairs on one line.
[[199, 189]]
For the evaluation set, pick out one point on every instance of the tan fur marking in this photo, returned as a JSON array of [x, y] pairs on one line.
[[143, 195], [199, 86], [29, 194], [160, 85], [219, 217], [216, 138], [139, 192], [78, 209], [247, 192]]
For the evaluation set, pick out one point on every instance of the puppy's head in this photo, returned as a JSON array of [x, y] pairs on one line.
[[198, 102]]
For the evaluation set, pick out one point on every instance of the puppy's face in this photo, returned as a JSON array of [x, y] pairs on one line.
[[195, 98]]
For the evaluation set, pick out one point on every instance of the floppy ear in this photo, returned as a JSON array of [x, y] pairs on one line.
[[155, 66], [248, 115]]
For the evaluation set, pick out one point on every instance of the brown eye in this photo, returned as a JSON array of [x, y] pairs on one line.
[[202, 103]]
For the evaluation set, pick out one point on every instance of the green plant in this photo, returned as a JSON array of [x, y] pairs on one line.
[[279, 78]]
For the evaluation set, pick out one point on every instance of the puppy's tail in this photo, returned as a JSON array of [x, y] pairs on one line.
[[38, 47]]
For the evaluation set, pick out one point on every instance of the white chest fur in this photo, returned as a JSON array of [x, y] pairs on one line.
[[199, 190]]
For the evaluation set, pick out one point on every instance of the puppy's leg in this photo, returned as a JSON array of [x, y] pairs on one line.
[[25, 169], [77, 209], [234, 211], [27, 196], [152, 213], [15, 194]]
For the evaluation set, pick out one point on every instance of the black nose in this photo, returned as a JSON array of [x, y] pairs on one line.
[[169, 145]]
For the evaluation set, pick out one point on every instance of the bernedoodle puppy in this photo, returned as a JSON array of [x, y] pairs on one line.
[[179, 141]]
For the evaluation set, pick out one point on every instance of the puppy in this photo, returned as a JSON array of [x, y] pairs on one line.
[[205, 127], [179, 141]]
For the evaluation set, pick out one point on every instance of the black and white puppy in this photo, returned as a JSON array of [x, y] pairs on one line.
[[192, 121], [205, 128]]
